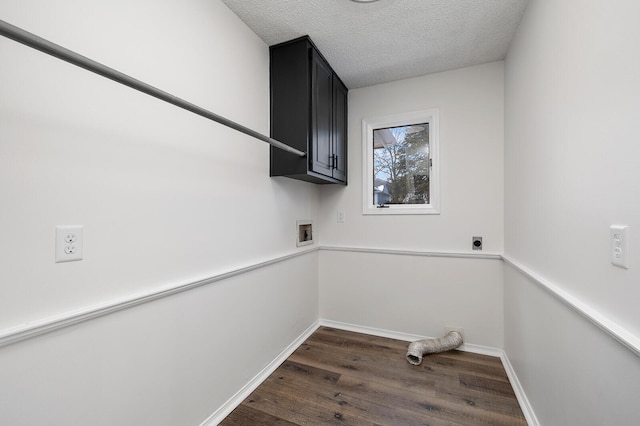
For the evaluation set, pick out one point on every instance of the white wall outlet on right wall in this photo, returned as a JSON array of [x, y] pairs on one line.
[[619, 249]]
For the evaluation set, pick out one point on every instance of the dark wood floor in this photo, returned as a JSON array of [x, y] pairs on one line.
[[340, 377]]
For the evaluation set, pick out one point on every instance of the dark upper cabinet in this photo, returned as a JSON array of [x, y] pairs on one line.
[[308, 112]]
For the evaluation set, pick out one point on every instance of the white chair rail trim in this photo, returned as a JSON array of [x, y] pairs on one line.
[[615, 330], [66, 319]]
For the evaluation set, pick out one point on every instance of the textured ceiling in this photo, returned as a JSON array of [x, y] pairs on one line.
[[387, 40]]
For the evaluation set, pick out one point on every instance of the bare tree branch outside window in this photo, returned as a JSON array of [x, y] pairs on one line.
[[401, 164]]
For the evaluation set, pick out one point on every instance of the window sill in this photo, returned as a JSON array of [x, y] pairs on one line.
[[400, 209]]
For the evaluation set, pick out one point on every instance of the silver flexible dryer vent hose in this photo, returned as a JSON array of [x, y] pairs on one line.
[[417, 349]]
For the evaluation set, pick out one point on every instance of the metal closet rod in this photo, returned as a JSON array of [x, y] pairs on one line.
[[38, 43]]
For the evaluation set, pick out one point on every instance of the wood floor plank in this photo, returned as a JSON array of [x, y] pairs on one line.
[[358, 340], [245, 415], [424, 407], [350, 404], [437, 362], [304, 373], [473, 357], [297, 410], [395, 371], [493, 387], [503, 405], [338, 403], [346, 378]]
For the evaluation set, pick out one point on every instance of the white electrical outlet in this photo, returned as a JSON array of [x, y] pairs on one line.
[[340, 216], [619, 251], [68, 243]]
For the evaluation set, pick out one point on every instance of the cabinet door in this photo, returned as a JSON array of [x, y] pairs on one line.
[[339, 130], [321, 160]]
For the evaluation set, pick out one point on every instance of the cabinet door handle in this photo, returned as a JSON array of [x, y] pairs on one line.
[[335, 161]]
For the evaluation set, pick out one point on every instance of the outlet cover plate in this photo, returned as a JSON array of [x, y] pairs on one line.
[[69, 242], [476, 243], [619, 237]]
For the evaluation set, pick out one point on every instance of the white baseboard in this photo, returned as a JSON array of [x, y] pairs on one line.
[[246, 390], [525, 406], [466, 347]]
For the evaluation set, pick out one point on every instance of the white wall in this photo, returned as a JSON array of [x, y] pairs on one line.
[[174, 361], [165, 198], [470, 101], [571, 102], [412, 294], [571, 371], [163, 195]]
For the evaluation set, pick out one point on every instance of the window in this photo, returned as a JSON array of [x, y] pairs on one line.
[[400, 164]]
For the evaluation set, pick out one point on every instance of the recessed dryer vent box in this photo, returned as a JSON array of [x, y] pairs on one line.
[[305, 232]]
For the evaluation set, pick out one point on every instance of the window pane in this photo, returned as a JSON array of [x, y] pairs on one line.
[[401, 165]]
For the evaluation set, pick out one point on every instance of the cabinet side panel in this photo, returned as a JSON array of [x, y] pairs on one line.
[[290, 82], [340, 129]]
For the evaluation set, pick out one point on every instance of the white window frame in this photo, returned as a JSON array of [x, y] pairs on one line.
[[430, 116]]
